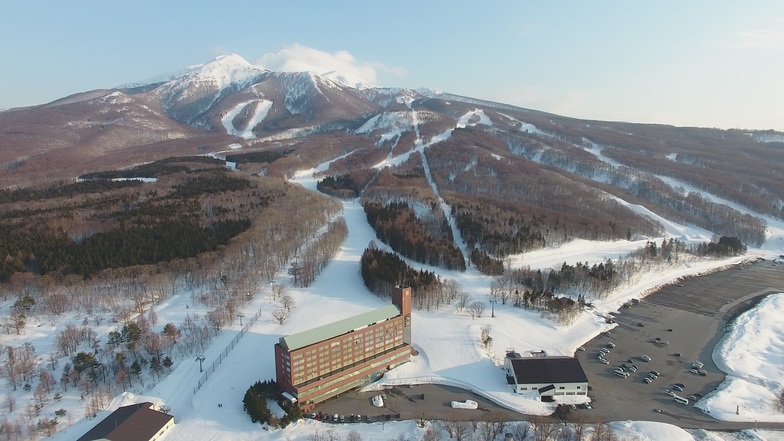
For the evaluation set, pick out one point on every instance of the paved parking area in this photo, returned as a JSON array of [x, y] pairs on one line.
[[697, 311]]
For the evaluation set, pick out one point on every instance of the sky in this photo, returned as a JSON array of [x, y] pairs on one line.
[[698, 63]]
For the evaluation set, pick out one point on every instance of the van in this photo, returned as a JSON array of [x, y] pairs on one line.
[[680, 400], [621, 374]]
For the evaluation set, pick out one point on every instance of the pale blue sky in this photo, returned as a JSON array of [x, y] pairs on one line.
[[696, 63]]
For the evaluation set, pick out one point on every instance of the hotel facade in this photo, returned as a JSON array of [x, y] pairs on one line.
[[320, 363]]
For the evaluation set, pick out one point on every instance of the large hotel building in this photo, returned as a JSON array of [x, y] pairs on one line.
[[320, 363]]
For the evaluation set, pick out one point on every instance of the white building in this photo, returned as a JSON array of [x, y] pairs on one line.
[[548, 376]]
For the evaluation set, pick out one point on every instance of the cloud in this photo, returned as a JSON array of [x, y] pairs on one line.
[[759, 39], [298, 58]]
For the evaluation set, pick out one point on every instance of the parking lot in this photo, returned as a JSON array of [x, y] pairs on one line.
[[687, 319]]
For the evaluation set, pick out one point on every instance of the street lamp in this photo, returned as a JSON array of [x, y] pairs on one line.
[[492, 307], [200, 359], [240, 315]]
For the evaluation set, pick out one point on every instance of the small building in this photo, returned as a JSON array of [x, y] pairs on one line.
[[137, 422], [315, 365], [548, 376]]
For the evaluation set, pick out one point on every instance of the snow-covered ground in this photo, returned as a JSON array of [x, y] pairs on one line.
[[448, 343]]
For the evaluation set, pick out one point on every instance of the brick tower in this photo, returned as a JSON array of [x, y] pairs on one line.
[[401, 297]]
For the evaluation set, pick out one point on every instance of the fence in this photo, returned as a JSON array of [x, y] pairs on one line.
[[225, 352]]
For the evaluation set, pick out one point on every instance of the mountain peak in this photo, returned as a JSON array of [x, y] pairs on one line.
[[226, 69]]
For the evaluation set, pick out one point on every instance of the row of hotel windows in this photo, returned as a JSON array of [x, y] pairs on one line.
[[346, 343], [323, 367], [347, 352], [368, 369]]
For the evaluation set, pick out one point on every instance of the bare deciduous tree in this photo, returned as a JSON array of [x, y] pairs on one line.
[[462, 301], [485, 337], [476, 309], [280, 315], [287, 302], [10, 402], [603, 432], [491, 427], [353, 436]]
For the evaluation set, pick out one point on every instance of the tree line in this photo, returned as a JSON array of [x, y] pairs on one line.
[[382, 270], [255, 405], [342, 186]]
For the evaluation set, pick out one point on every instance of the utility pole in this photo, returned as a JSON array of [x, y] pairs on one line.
[[492, 307]]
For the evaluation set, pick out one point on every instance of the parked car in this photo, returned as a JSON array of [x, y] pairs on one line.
[[633, 368], [603, 361], [611, 345], [697, 364], [467, 404], [693, 370], [645, 358], [678, 388], [586, 406], [702, 372], [654, 374], [647, 380], [581, 348]]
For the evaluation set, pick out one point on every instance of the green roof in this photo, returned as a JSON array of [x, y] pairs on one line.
[[315, 335]]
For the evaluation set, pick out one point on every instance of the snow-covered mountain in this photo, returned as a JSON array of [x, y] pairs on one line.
[[229, 103]]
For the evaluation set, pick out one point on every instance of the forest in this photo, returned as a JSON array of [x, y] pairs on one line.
[[382, 270], [397, 225], [88, 226]]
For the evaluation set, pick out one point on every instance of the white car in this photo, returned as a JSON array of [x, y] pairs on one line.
[[645, 358], [467, 404], [697, 364]]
